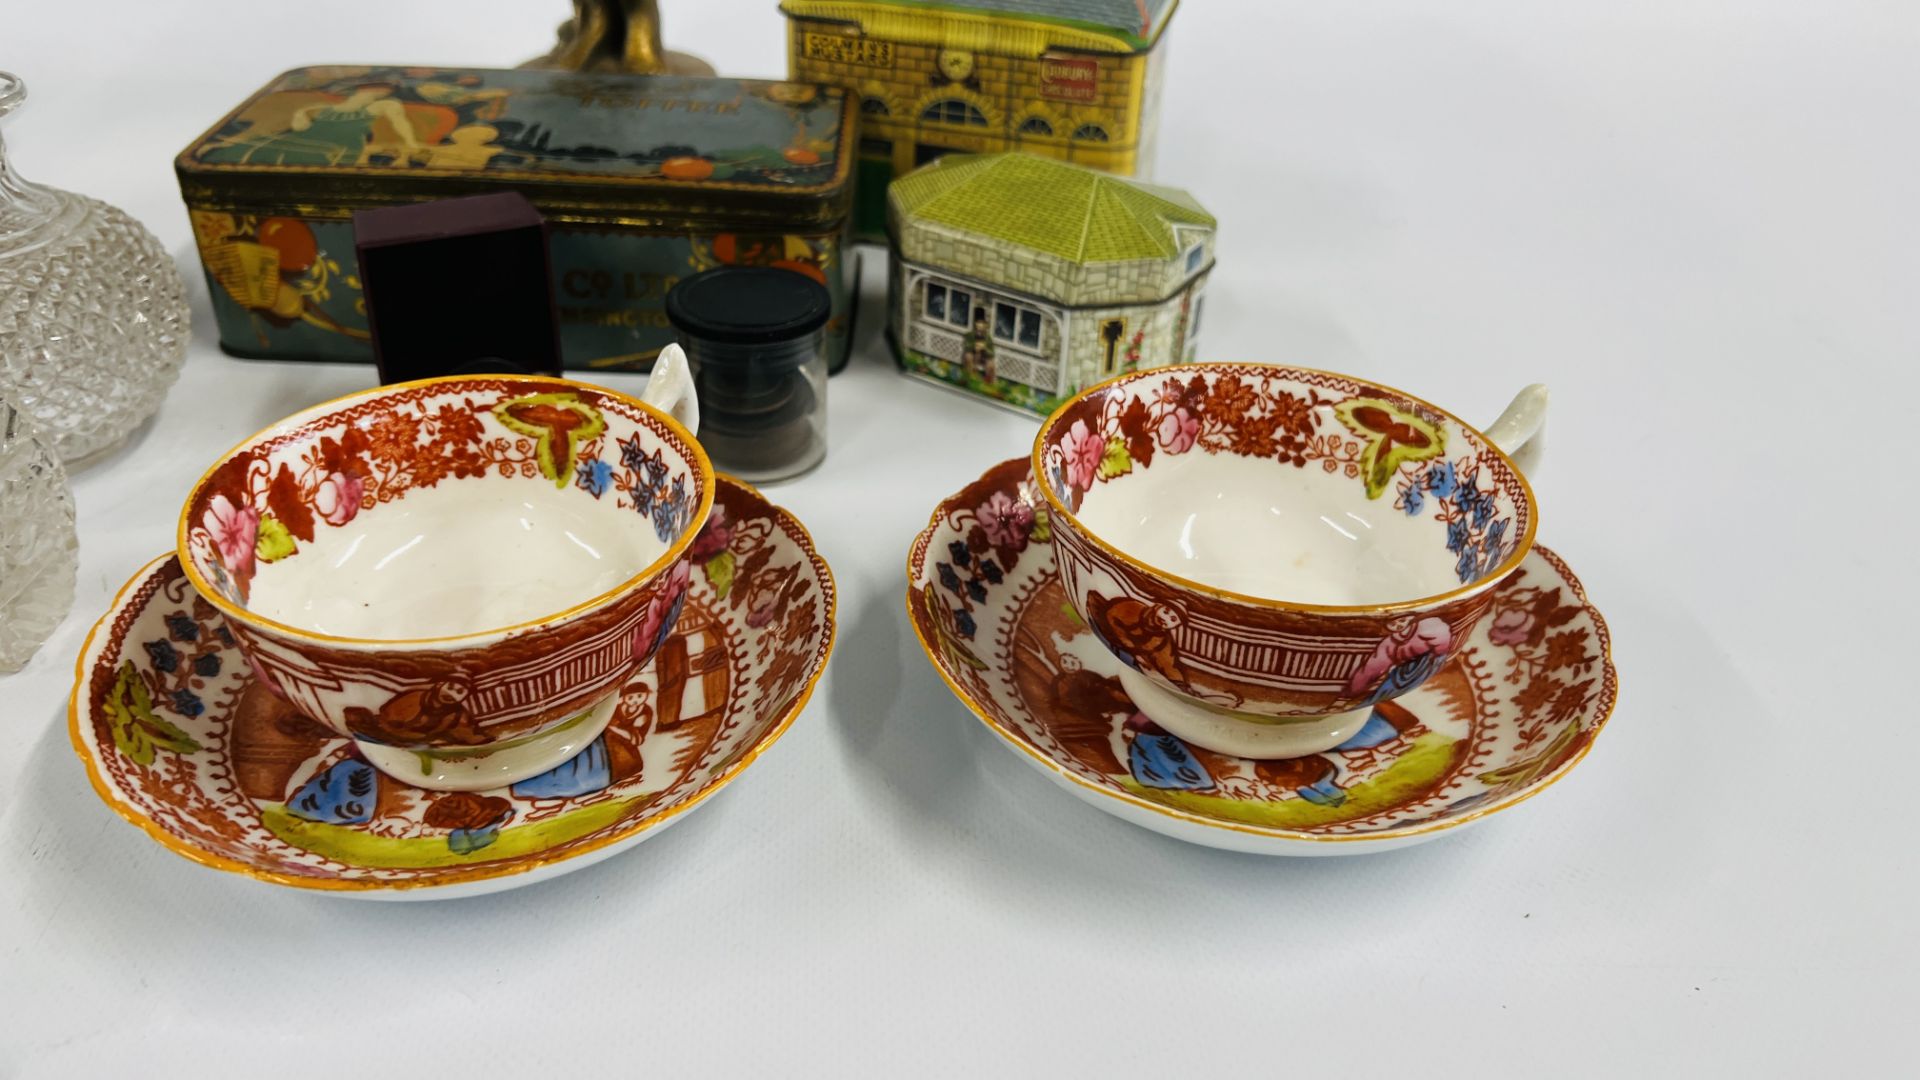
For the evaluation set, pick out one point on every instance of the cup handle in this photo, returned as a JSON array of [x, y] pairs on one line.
[[1519, 431], [670, 388]]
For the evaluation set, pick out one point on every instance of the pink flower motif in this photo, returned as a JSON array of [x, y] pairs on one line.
[[761, 615], [1177, 430], [714, 536], [661, 612], [1007, 521], [1511, 626], [337, 499], [1407, 642], [261, 675], [234, 530], [1082, 449]]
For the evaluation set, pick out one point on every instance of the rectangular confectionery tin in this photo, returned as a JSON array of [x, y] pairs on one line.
[[643, 179]]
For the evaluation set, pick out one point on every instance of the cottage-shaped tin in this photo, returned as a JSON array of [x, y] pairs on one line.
[[1023, 279]]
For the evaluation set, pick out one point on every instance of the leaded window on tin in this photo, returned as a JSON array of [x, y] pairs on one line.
[[955, 111]]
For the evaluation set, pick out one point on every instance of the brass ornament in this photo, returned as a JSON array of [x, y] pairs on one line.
[[616, 36]]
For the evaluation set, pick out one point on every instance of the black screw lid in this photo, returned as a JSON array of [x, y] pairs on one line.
[[748, 305]]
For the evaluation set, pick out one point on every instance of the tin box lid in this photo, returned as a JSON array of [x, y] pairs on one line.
[[626, 148], [749, 305], [1099, 25]]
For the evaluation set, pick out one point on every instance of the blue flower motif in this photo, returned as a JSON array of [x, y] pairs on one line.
[[949, 579], [991, 571], [643, 498], [225, 635], [208, 665], [1411, 500], [1489, 559], [1440, 479], [656, 470], [1457, 535], [187, 703], [1469, 565], [963, 620], [164, 656], [631, 454], [669, 514], [1483, 510], [958, 550], [1466, 491], [595, 476], [182, 628], [977, 591], [1495, 534]]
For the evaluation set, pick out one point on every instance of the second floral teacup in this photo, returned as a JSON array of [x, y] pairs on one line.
[[460, 573], [1270, 551]]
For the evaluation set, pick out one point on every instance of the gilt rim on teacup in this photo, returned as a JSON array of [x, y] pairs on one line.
[[984, 707], [111, 625], [695, 454], [1057, 505]]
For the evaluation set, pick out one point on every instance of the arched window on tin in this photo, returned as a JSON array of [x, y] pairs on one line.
[[1090, 133], [1036, 125], [954, 111], [873, 106]]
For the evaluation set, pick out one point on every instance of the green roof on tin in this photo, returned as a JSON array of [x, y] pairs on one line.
[[1050, 206], [1138, 20]]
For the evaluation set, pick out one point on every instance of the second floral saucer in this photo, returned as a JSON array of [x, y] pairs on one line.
[[1516, 710], [180, 738]]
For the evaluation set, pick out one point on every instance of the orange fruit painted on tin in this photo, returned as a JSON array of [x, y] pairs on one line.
[[799, 267], [801, 156], [686, 168], [293, 240]]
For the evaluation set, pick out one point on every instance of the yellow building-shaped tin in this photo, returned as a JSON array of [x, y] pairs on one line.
[[1076, 80]]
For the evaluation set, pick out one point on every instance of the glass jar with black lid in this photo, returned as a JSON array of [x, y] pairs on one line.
[[753, 340]]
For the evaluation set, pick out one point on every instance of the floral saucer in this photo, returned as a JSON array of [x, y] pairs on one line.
[[180, 738], [1528, 691]]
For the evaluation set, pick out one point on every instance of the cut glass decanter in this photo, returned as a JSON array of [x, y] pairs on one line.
[[93, 314], [38, 551]]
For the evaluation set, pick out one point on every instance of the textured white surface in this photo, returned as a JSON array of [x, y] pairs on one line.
[[1693, 220]]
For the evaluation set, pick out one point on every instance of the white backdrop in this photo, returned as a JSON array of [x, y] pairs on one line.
[[1695, 220]]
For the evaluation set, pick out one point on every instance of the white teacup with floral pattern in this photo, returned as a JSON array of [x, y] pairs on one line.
[[457, 573], [1271, 551]]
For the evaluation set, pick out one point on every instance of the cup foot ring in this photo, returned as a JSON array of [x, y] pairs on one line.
[[1222, 732], [446, 770]]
